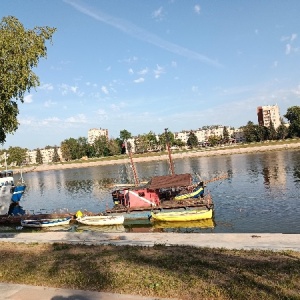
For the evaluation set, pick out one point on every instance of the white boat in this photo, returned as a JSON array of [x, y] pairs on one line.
[[101, 220], [39, 223], [6, 182]]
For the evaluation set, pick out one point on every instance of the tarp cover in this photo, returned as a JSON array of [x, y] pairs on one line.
[[169, 181]]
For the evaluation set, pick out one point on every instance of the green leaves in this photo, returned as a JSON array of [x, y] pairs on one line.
[[20, 51]]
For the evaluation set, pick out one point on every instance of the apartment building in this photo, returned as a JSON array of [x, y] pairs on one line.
[[267, 114], [95, 133], [47, 155]]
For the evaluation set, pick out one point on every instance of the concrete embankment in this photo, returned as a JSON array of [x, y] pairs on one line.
[[247, 241]]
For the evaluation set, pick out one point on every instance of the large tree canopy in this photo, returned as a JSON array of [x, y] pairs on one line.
[[20, 51], [293, 116]]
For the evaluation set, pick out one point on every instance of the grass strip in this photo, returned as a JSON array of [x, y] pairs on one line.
[[160, 271]]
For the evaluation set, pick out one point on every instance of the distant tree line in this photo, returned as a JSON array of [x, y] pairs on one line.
[[73, 149]]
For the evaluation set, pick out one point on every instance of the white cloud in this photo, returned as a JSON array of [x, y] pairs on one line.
[[28, 99], [141, 34], [117, 107], [102, 114], [197, 9], [46, 86], [174, 64], [288, 48], [158, 71], [66, 89], [158, 14], [130, 71], [53, 119], [293, 37], [143, 72], [49, 103], [104, 90], [139, 80], [80, 118]]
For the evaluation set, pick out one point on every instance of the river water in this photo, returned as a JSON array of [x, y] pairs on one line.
[[261, 193]]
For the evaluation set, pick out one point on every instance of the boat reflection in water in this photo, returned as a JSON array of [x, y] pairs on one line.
[[189, 226]]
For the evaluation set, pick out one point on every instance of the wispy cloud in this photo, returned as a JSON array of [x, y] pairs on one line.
[[80, 118], [158, 71], [46, 86], [49, 103], [28, 99], [139, 80], [197, 9], [139, 33], [104, 90], [158, 14]]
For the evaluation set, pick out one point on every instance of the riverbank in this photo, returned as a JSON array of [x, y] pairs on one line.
[[229, 150]]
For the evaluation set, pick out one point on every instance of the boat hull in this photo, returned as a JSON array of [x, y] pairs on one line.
[[40, 223], [185, 216], [101, 220]]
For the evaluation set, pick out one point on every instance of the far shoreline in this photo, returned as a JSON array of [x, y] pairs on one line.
[[158, 157]]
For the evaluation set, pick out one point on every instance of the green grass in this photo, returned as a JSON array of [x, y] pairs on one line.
[[178, 271]]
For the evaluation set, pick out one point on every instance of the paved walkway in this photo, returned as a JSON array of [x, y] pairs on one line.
[[263, 241], [28, 292]]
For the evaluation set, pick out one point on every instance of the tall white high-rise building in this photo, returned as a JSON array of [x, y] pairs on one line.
[[268, 113], [95, 133]]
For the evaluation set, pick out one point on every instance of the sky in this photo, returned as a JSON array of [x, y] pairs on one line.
[[149, 65]]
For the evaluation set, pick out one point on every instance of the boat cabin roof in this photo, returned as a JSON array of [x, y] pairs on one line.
[[7, 173], [170, 181]]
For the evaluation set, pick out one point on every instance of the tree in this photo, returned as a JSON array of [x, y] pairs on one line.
[[163, 139], [125, 135], [20, 51], [213, 140], [101, 146], [55, 157], [282, 132], [192, 140], [16, 155], [250, 132], [226, 135], [293, 116], [272, 132], [113, 147], [39, 157]]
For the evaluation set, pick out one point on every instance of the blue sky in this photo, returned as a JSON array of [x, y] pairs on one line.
[[148, 65]]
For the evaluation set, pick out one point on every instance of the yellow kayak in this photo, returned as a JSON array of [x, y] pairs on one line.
[[194, 194], [188, 215]]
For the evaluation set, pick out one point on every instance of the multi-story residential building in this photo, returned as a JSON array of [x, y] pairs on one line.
[[95, 133], [267, 114], [47, 155]]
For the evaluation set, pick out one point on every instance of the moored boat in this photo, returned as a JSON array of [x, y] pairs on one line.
[[40, 223], [182, 216], [6, 182], [101, 220], [172, 192]]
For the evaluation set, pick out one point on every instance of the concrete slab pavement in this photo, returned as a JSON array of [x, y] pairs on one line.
[[28, 292], [262, 241]]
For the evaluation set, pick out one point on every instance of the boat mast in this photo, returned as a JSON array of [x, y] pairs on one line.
[[136, 180], [169, 152]]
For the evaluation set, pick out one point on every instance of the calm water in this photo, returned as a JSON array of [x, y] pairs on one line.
[[262, 193]]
